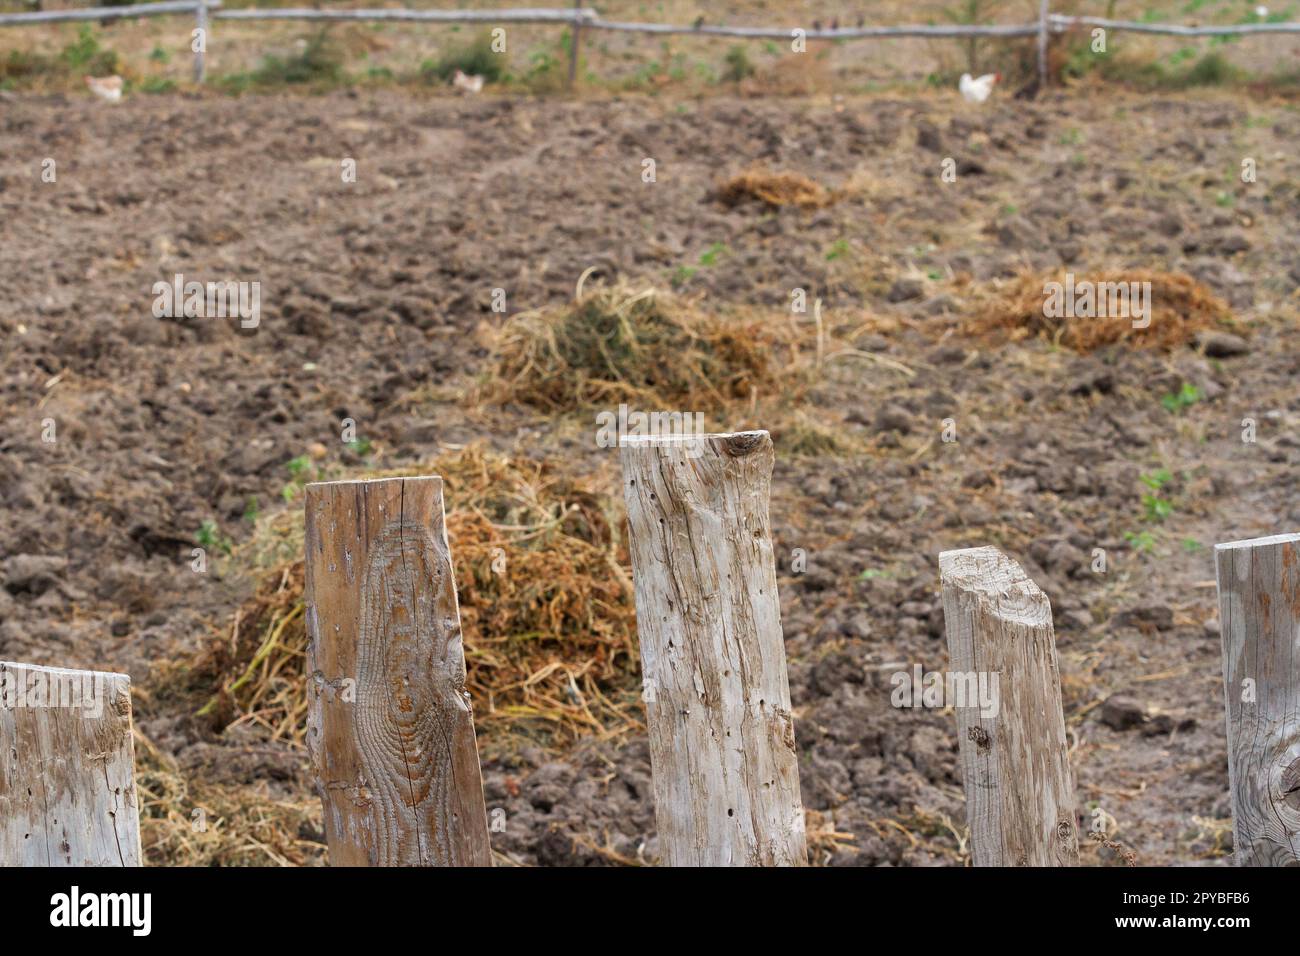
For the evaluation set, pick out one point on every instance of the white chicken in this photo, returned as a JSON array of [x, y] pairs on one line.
[[978, 89], [466, 82], [106, 87]]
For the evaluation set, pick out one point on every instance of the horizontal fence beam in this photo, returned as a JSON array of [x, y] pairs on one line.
[[843, 33], [1060, 22], [431, 16], [104, 13], [587, 17]]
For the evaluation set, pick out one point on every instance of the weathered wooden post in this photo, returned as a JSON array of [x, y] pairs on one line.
[[722, 747], [1259, 614], [67, 771], [573, 48], [390, 730], [1043, 19], [201, 41], [1015, 764]]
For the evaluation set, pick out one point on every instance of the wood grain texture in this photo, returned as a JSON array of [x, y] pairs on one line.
[[67, 774], [722, 746], [390, 729], [1015, 765], [1259, 611]]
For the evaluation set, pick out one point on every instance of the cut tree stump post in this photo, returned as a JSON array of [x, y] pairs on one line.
[[722, 746], [1259, 614], [67, 773], [390, 730], [1015, 764]]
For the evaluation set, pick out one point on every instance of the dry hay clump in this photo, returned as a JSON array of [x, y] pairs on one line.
[[546, 606], [617, 344], [1180, 307], [773, 189], [188, 821]]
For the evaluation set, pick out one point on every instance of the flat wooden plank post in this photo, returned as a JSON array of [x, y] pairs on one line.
[[67, 768], [722, 747], [1015, 763], [1259, 611], [389, 729]]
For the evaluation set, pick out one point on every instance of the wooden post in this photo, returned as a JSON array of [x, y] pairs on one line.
[[722, 747], [573, 47], [201, 17], [1043, 19], [1259, 611], [389, 728], [67, 773], [1015, 765]]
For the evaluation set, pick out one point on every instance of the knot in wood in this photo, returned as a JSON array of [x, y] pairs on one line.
[[743, 443], [1291, 785]]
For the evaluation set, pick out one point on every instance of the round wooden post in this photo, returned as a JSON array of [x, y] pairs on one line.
[[201, 19], [722, 746], [1015, 762]]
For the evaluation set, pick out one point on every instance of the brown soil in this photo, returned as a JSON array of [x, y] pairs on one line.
[[372, 295]]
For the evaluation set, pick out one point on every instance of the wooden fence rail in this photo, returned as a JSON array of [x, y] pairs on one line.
[[163, 8], [67, 774], [718, 715], [586, 18], [1259, 615], [1015, 762]]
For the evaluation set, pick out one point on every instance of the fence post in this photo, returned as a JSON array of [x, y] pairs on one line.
[[67, 768], [573, 48], [1259, 614], [201, 17], [389, 729], [1043, 18], [722, 747], [1015, 765]]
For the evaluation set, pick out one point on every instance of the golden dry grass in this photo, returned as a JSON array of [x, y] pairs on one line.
[[773, 189], [187, 821], [622, 344], [546, 606], [1180, 308]]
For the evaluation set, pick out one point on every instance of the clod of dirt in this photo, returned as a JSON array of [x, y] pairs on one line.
[[1222, 344], [905, 289], [773, 189], [1147, 617], [894, 418], [1122, 713], [928, 137], [1179, 307], [32, 573], [618, 344]]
